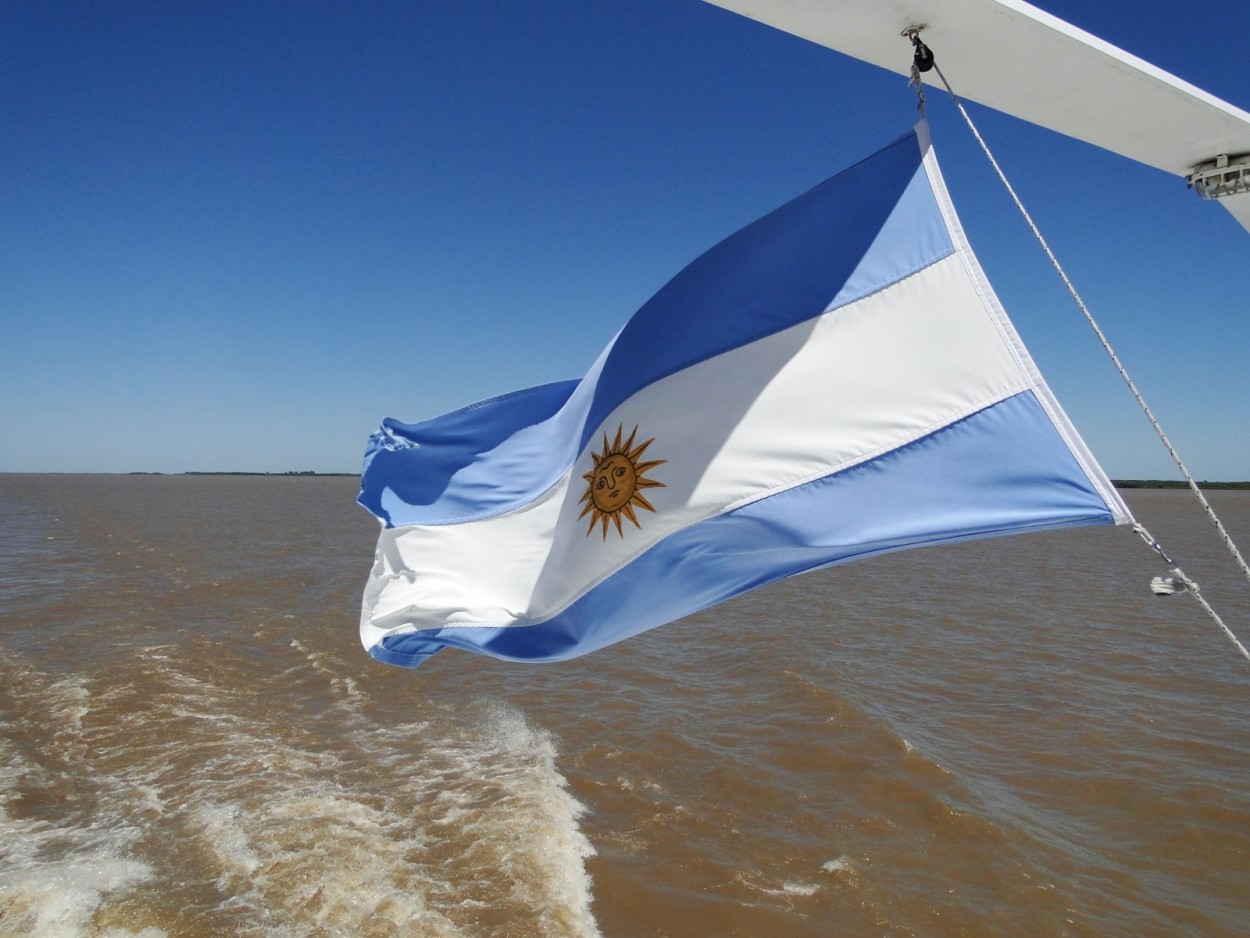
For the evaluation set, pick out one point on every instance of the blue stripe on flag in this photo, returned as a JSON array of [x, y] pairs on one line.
[[409, 468], [782, 270], [858, 232]]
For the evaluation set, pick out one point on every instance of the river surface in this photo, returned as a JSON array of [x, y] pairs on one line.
[[1011, 737]]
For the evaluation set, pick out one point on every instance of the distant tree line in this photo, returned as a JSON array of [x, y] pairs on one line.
[[289, 472], [1174, 484]]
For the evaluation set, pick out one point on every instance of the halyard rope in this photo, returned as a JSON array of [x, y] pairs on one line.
[[1219, 526], [1190, 586]]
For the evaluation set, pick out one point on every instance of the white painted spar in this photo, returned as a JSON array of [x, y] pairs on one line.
[[1239, 205], [1015, 58]]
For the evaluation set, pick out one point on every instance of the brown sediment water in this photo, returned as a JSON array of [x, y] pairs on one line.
[[1010, 737]]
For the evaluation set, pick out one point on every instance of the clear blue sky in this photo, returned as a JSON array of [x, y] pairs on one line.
[[234, 235]]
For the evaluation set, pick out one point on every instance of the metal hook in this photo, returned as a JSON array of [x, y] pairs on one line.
[[922, 55], [922, 61]]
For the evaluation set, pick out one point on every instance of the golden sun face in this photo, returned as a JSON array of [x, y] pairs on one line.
[[613, 486]]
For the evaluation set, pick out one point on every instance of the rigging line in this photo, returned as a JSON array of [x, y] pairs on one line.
[[1106, 344], [1192, 587], [1188, 585], [922, 61]]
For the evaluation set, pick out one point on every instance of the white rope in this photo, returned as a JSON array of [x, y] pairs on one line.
[[1219, 526], [1190, 586]]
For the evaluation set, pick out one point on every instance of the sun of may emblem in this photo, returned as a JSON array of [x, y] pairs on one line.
[[614, 486]]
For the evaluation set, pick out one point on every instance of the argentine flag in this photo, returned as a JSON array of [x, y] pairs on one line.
[[836, 380]]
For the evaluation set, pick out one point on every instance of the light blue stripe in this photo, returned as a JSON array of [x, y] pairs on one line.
[[851, 236], [913, 237], [778, 272], [1003, 470], [433, 472]]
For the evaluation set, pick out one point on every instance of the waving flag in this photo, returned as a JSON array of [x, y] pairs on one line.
[[836, 380]]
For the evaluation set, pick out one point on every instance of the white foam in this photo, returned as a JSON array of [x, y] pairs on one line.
[[57, 899], [316, 861], [347, 825], [787, 891], [840, 865], [799, 889], [500, 780], [53, 879], [221, 827], [439, 827]]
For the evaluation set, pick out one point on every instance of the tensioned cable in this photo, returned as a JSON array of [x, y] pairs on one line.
[[1190, 585], [1186, 585]]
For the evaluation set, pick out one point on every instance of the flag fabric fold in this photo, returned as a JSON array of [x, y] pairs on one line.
[[834, 381]]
